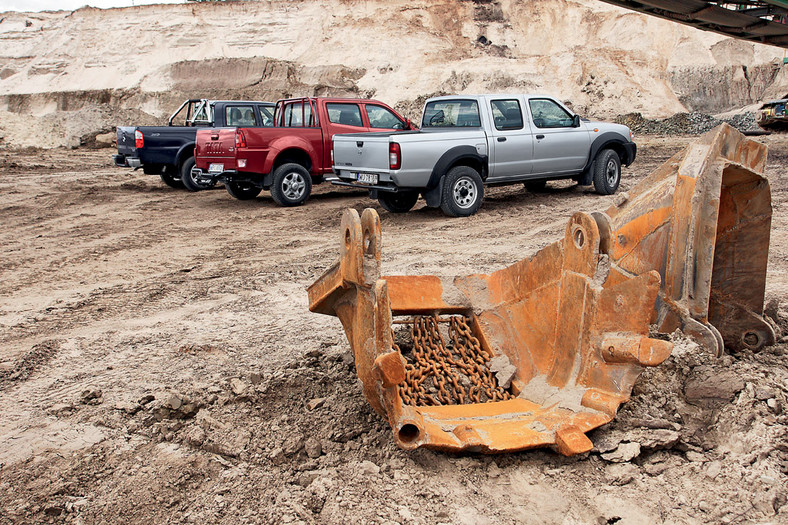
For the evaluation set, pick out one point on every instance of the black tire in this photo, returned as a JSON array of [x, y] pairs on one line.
[[400, 202], [243, 191], [535, 186], [463, 191], [607, 172], [170, 176], [291, 184], [187, 177]]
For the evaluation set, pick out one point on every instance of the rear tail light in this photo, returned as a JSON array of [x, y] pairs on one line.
[[240, 139], [332, 152], [139, 140], [395, 156]]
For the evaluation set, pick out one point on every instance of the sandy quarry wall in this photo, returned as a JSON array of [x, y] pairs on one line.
[[67, 75]]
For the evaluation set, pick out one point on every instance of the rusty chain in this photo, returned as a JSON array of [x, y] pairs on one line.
[[438, 372]]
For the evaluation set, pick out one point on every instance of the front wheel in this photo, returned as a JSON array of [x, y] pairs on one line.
[[291, 185], [463, 191], [243, 191], [607, 172], [188, 177], [400, 202]]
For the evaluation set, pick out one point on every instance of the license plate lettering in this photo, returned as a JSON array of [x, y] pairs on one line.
[[367, 178], [215, 168]]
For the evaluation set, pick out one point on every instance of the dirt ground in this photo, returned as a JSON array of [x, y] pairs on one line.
[[159, 365]]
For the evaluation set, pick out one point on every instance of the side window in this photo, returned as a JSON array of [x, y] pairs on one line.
[[380, 117], [240, 116], [267, 113], [451, 114], [548, 114], [507, 114], [347, 114], [297, 113]]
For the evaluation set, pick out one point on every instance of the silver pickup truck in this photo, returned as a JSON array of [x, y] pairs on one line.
[[469, 141]]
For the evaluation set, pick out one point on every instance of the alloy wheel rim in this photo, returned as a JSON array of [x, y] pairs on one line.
[[293, 186]]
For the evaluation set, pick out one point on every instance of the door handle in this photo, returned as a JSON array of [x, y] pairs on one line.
[[539, 137], [501, 139]]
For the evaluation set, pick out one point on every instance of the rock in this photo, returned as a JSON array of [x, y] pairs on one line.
[[144, 400], [713, 469], [173, 401], [255, 378], [293, 445], [367, 468], [313, 448], [695, 457], [763, 393], [315, 403], [237, 386], [105, 139], [655, 439], [60, 409], [91, 397], [623, 453], [607, 442], [127, 407], [493, 471], [621, 474], [712, 387], [504, 370], [277, 456]]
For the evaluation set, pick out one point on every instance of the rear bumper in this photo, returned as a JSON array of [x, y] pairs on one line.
[[203, 177], [378, 187], [126, 162]]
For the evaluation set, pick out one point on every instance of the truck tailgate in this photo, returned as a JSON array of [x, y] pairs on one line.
[[366, 152], [126, 141], [214, 149]]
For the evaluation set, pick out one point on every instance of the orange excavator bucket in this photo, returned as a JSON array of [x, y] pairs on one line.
[[534, 354], [702, 220], [539, 353]]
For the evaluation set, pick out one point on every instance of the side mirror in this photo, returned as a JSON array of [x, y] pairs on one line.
[[576, 121]]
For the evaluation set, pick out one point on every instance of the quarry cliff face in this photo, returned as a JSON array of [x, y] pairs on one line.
[[64, 75]]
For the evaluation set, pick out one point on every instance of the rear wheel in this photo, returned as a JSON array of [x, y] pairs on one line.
[[170, 176], [607, 172], [188, 177], [400, 202], [243, 191], [291, 184], [463, 191]]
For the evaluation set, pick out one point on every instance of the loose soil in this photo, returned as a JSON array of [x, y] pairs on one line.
[[159, 365]]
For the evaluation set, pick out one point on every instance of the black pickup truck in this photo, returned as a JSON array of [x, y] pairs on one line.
[[168, 151]]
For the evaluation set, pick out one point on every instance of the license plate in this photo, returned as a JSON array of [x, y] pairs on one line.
[[215, 168], [367, 178]]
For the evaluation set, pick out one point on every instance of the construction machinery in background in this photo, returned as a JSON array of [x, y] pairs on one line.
[[773, 115], [541, 352]]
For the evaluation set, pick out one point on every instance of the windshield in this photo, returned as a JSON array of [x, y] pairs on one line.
[[451, 114]]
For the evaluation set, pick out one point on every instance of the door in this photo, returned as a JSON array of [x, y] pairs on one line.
[[511, 142], [558, 146], [343, 117]]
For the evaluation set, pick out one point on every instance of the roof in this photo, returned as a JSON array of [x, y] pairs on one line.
[[764, 22]]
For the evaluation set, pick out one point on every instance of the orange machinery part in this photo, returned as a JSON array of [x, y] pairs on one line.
[[686, 248]]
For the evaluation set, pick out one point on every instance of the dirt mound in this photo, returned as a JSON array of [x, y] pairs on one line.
[[615, 62]]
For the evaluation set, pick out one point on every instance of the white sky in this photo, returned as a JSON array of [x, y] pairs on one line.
[[70, 5]]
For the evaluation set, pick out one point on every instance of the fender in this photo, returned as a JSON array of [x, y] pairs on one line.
[[450, 158], [278, 145], [600, 143], [186, 151]]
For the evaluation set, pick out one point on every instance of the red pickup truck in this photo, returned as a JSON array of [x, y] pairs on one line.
[[289, 157]]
